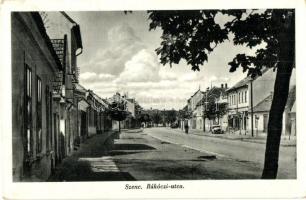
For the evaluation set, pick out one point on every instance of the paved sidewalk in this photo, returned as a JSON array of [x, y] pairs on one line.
[[74, 168], [258, 138]]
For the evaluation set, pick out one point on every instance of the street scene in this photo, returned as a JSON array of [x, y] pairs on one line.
[[169, 154], [153, 95]]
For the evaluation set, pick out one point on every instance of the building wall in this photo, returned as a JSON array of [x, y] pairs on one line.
[[199, 121], [82, 121], [195, 99], [198, 118], [263, 86], [59, 27], [223, 121], [130, 106], [29, 47], [92, 128], [115, 125], [289, 117], [238, 98], [259, 122], [56, 156]]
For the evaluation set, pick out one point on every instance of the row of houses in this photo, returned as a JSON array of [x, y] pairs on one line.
[[52, 114], [234, 108], [44, 71]]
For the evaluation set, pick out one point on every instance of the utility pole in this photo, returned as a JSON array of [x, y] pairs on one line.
[[252, 113], [238, 115], [217, 109], [164, 123], [203, 113], [204, 110]]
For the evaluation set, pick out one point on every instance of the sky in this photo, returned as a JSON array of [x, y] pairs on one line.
[[119, 56]]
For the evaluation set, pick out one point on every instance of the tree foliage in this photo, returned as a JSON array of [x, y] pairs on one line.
[[193, 34], [184, 113], [212, 108], [117, 111], [156, 117], [144, 117], [170, 116]]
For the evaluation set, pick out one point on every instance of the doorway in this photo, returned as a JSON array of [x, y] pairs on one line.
[[265, 123]]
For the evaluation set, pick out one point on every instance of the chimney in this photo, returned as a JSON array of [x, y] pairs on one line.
[[222, 85], [225, 85], [207, 89]]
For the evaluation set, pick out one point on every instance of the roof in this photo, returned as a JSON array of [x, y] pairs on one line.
[[291, 98], [244, 82], [105, 101], [40, 24], [263, 105], [79, 91], [185, 108], [80, 87], [68, 17], [98, 98], [217, 91], [75, 29], [130, 100], [293, 109], [196, 92]]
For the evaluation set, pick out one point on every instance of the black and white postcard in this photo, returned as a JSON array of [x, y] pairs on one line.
[[164, 100]]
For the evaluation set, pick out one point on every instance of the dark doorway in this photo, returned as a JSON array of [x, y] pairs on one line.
[[83, 124]]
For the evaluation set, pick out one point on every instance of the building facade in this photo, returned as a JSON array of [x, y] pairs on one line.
[[65, 36], [238, 105], [192, 103], [257, 93], [52, 113], [35, 88]]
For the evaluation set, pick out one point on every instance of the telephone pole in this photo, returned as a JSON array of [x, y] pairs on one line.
[[252, 114]]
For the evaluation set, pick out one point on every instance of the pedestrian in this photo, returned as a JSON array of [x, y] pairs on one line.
[[186, 128]]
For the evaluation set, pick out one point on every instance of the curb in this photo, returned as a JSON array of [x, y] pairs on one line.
[[242, 139]]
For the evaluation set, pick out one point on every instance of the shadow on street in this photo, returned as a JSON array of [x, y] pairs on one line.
[[132, 147]]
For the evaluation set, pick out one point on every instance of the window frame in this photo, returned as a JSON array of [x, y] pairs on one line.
[[28, 113], [38, 115]]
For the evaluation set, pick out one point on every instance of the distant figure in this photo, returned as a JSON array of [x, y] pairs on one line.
[[186, 128]]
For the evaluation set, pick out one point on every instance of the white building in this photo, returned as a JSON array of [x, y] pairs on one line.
[[192, 106], [240, 101]]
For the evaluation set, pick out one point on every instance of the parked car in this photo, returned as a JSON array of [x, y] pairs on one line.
[[174, 125], [216, 129]]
